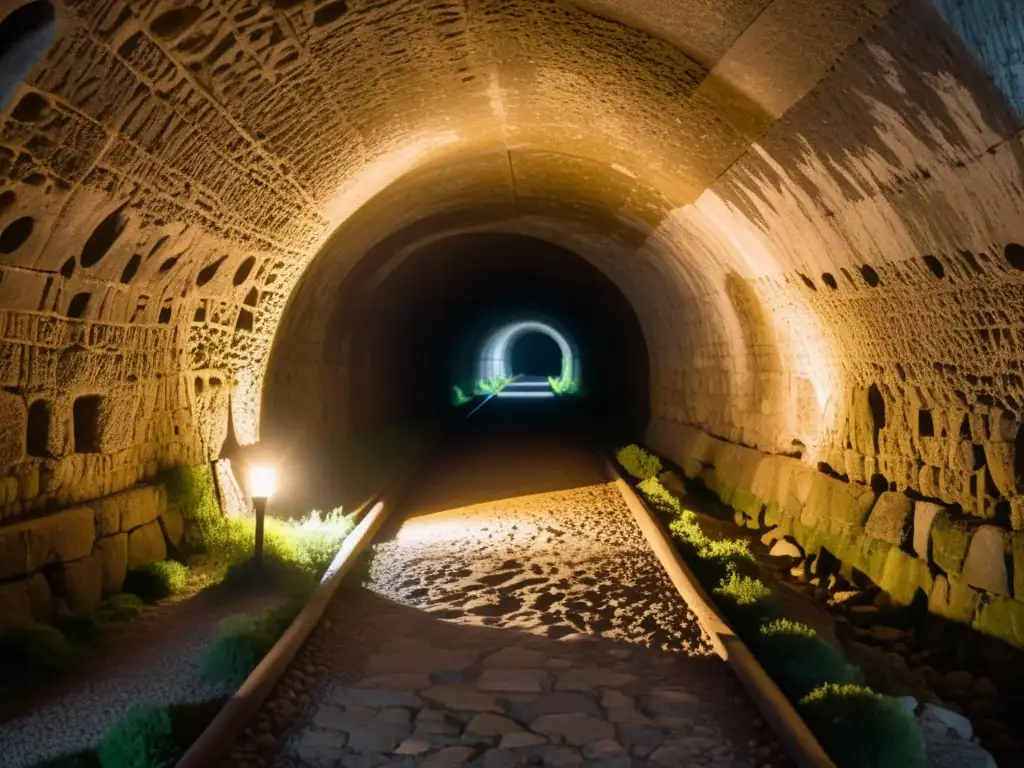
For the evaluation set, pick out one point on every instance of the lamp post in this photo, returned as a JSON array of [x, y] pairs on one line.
[[262, 483]]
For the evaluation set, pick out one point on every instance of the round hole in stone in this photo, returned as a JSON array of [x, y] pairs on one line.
[[207, 273], [103, 238], [69, 268], [31, 108], [78, 304], [169, 264], [131, 268], [243, 271], [870, 276], [828, 279], [199, 385], [1014, 254], [16, 233], [807, 281], [326, 14], [172, 23], [935, 266]]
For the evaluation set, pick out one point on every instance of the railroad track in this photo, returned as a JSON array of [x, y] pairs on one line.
[[520, 607]]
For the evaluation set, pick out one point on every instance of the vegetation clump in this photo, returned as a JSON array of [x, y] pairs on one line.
[[153, 736], [858, 727], [493, 385], [638, 462], [459, 397], [33, 653], [242, 642], [565, 384], [157, 581], [863, 729]]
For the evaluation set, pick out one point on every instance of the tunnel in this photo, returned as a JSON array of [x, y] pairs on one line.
[[779, 242]]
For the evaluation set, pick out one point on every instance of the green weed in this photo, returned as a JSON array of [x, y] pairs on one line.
[[798, 659], [243, 640], [157, 581], [638, 462], [863, 729]]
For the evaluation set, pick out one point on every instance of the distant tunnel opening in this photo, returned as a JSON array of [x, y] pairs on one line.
[[536, 355]]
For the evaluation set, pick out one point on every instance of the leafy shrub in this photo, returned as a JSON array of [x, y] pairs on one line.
[[564, 384], [493, 385], [863, 729], [798, 659], [191, 490], [84, 630], [242, 641], [156, 581], [123, 607], [459, 397], [34, 652], [152, 736], [746, 601], [638, 462], [660, 498]]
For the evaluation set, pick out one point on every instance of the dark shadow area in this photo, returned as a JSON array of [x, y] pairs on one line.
[[536, 355]]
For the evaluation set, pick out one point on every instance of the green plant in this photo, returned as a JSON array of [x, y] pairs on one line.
[[152, 736], [746, 601], [34, 652], [191, 490], [863, 729], [564, 384], [493, 385], [459, 397], [638, 462], [156, 581], [798, 659], [243, 640], [123, 607]]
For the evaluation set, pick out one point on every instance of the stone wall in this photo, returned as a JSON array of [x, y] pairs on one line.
[[917, 550], [70, 560]]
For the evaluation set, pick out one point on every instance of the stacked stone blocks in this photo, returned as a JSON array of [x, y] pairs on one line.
[[69, 561], [969, 570]]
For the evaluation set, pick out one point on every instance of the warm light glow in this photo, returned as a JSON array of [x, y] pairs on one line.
[[262, 482]]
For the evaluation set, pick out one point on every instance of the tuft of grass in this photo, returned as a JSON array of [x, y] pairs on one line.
[[564, 384], [639, 463], [863, 729], [660, 497], [34, 653], [152, 736], [798, 658], [123, 607], [459, 397], [493, 385], [243, 640], [157, 581], [746, 601], [191, 490]]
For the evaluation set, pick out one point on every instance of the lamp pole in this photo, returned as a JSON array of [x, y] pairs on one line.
[[260, 505]]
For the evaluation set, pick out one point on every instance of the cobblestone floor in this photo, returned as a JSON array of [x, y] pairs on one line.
[[513, 615]]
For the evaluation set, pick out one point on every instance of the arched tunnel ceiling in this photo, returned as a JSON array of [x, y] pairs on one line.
[[173, 169]]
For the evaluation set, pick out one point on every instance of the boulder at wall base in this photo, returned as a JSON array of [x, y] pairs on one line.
[[904, 577], [985, 564], [1002, 617], [25, 601], [950, 539], [28, 546], [113, 552], [79, 583], [925, 513], [891, 518], [951, 599], [835, 506], [146, 545], [173, 525]]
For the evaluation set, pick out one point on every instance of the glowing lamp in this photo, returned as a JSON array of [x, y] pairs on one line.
[[262, 484]]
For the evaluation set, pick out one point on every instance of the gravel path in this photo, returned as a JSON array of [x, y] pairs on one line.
[[513, 615], [155, 658]]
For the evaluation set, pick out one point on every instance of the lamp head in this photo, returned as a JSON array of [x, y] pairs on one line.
[[262, 481]]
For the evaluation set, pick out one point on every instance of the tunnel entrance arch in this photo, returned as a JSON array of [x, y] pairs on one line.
[[496, 357]]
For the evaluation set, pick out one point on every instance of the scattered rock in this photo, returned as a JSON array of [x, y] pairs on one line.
[[461, 698], [575, 728], [521, 739], [449, 758], [932, 714], [786, 548], [517, 680], [413, 747], [487, 724]]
